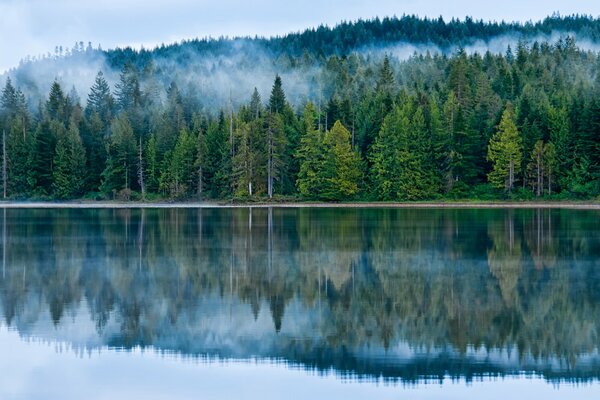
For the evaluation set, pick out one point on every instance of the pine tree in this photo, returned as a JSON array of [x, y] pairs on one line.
[[201, 156], [311, 155], [277, 99], [243, 162], [385, 82], [56, 106], [152, 165], [178, 176], [342, 168], [255, 105], [559, 126], [399, 156], [275, 150], [9, 99], [41, 156], [100, 100], [19, 149], [120, 172], [128, 91], [218, 160], [94, 141], [505, 152], [69, 164], [61, 178]]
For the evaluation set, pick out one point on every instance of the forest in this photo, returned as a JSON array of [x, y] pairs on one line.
[[520, 124]]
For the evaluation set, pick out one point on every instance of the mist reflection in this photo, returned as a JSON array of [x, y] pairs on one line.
[[403, 294]]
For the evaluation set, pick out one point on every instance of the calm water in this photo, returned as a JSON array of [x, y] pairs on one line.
[[294, 303]]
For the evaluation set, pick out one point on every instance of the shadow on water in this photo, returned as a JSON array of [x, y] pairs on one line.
[[409, 295]]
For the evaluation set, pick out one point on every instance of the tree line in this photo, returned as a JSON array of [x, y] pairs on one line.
[[522, 124]]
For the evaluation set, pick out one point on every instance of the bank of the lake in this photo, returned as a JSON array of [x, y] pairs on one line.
[[583, 205]]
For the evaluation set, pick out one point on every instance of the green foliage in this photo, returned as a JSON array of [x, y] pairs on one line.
[[177, 178], [399, 156], [69, 165], [505, 152], [342, 166], [277, 99], [311, 155], [120, 171], [428, 127]]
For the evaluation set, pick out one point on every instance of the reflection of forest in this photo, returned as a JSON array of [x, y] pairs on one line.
[[325, 288]]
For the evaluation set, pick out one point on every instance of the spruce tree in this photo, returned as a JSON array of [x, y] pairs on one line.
[[505, 152], [56, 106], [120, 172], [69, 164], [311, 155], [100, 100], [277, 99], [342, 170]]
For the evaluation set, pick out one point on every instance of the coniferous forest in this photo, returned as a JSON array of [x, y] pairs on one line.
[[458, 123]]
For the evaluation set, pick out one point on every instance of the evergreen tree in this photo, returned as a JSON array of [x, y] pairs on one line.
[[385, 82], [218, 160], [178, 176], [69, 164], [201, 156], [128, 91], [275, 150], [41, 157], [342, 169], [152, 169], [311, 154], [399, 156], [56, 106], [255, 105], [120, 172], [94, 142], [559, 126], [243, 162], [277, 99], [100, 100], [9, 99], [505, 152]]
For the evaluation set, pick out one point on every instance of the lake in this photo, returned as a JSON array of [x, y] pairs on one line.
[[268, 303]]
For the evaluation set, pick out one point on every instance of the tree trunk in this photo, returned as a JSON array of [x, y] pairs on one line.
[[511, 175], [200, 188], [270, 165], [539, 173], [141, 171]]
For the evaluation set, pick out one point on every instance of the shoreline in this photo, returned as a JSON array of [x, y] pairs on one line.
[[187, 205]]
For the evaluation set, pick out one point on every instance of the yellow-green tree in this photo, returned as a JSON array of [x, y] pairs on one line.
[[505, 152], [342, 165]]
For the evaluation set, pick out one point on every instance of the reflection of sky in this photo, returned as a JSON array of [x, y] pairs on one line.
[[33, 370]]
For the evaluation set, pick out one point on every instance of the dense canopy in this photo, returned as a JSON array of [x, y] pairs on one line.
[[369, 126]]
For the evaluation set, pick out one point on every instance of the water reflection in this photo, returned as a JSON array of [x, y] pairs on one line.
[[410, 295]]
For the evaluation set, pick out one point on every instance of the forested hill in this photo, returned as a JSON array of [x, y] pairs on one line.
[[298, 116], [348, 37]]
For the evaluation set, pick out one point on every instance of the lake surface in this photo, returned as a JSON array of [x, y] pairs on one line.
[[299, 303]]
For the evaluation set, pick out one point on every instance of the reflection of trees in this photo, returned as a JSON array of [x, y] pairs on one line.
[[523, 279], [505, 258]]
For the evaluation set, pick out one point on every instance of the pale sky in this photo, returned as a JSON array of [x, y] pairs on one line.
[[33, 27]]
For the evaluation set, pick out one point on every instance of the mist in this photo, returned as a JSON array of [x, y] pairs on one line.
[[227, 77]]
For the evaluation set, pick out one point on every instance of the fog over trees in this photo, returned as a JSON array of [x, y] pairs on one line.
[[326, 114]]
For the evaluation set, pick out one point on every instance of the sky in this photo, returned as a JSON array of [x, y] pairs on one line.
[[34, 27]]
